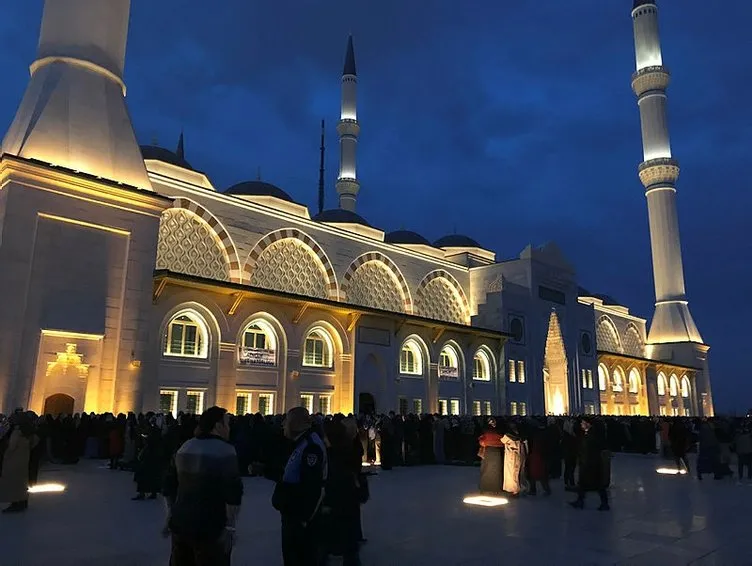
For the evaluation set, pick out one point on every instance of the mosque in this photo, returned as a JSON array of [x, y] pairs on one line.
[[131, 282]]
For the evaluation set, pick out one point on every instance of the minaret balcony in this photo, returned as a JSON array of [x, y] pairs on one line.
[[661, 171], [347, 127], [650, 79]]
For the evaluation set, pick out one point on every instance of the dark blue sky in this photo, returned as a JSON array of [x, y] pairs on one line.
[[511, 122]]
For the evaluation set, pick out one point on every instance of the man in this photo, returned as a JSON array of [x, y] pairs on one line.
[[203, 491], [594, 464], [299, 493]]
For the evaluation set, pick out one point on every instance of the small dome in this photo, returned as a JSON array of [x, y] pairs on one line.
[[456, 241], [405, 237], [340, 216], [258, 188], [161, 154]]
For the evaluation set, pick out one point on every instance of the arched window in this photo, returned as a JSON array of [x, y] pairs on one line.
[[673, 386], [602, 377], [685, 387], [449, 365], [258, 344], [318, 349], [662, 384], [634, 381], [187, 336], [411, 359], [481, 366], [618, 384]]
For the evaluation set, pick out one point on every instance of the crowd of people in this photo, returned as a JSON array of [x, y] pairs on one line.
[[326, 454]]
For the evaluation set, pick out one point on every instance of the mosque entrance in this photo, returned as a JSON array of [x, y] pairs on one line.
[[555, 374], [58, 404], [366, 404]]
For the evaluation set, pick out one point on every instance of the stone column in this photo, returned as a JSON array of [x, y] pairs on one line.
[[226, 382]]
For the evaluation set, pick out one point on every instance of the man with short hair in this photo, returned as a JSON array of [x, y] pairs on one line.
[[299, 493], [203, 492]]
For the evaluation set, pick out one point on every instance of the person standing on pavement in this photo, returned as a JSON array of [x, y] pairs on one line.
[[203, 491], [300, 491]]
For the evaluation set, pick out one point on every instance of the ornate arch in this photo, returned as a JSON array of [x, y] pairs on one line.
[[434, 310], [606, 335], [633, 342], [223, 236], [293, 234], [390, 266]]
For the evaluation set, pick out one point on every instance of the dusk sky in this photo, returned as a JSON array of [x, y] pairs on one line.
[[513, 123]]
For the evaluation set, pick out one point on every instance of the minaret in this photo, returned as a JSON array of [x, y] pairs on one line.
[[73, 113], [672, 322], [348, 130], [322, 149]]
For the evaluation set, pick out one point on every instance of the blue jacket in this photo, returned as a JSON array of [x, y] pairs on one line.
[[299, 494]]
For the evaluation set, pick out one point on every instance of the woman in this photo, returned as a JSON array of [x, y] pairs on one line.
[[491, 459], [14, 481], [515, 457], [341, 507]]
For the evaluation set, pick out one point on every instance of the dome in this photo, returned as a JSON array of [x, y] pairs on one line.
[[258, 188], [340, 216], [456, 241], [405, 237], [161, 154]]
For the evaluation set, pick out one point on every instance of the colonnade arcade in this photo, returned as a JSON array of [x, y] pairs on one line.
[[636, 386]]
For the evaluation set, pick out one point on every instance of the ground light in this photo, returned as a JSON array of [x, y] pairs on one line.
[[47, 488], [671, 471], [485, 500]]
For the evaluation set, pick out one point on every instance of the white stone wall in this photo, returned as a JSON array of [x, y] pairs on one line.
[[248, 223], [78, 267]]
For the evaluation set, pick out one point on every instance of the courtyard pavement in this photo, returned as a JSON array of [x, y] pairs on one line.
[[416, 516]]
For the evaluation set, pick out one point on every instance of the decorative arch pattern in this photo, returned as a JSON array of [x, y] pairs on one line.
[[607, 337], [633, 343], [441, 297], [181, 245], [375, 280], [292, 268]]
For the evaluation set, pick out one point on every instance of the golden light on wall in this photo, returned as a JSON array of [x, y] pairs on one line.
[[68, 361]]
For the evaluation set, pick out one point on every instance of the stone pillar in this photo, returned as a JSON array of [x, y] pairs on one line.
[[432, 389], [226, 382], [651, 381], [345, 385]]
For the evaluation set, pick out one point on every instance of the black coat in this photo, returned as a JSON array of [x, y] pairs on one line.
[[594, 461]]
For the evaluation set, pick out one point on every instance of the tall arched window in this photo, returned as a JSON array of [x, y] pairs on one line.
[[685, 387], [186, 336], [662, 386], [449, 365], [634, 381], [481, 366], [602, 377], [258, 344], [673, 386], [411, 358], [318, 349], [618, 384]]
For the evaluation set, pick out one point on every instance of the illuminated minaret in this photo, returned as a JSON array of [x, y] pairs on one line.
[[672, 322], [348, 130], [73, 113]]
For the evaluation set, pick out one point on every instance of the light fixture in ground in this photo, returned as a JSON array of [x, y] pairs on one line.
[[47, 488], [485, 500], [671, 471]]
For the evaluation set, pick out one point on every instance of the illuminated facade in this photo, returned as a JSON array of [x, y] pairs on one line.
[[137, 285]]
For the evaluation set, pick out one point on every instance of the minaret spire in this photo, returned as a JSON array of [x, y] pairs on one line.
[[321, 171], [73, 113], [180, 151], [348, 130], [659, 171]]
